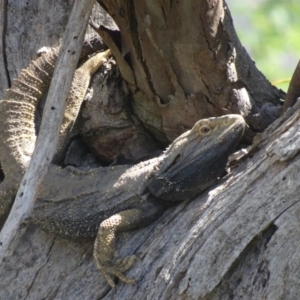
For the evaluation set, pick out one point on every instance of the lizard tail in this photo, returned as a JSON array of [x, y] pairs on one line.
[[17, 130], [80, 84]]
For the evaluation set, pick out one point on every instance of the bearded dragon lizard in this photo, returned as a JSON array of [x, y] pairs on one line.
[[122, 198], [105, 201]]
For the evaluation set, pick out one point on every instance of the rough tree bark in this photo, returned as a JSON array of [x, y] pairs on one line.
[[53, 114], [181, 61]]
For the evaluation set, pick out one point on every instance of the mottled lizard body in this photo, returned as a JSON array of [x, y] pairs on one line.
[[17, 113], [104, 201], [121, 198]]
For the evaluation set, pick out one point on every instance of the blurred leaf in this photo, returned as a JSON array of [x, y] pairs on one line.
[[269, 30]]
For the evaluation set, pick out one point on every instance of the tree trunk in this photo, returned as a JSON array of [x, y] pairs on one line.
[[181, 61]]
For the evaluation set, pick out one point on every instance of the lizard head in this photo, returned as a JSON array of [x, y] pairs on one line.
[[197, 158]]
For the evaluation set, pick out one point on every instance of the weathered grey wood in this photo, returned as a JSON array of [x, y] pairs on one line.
[[39, 23], [31, 25], [195, 248], [4, 80], [47, 140], [237, 241]]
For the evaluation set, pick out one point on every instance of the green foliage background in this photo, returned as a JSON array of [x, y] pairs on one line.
[[270, 31]]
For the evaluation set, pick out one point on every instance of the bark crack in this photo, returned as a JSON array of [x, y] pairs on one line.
[[206, 38], [164, 14], [38, 271], [233, 281], [210, 102], [287, 208], [133, 23], [3, 41]]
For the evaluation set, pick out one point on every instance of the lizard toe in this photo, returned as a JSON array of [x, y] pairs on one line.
[[109, 272], [125, 263]]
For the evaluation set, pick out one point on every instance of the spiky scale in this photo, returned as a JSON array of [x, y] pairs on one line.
[[17, 109], [17, 131]]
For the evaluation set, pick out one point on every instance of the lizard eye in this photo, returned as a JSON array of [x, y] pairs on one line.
[[205, 129]]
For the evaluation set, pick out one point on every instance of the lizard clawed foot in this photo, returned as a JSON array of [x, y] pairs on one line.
[[104, 246], [121, 265]]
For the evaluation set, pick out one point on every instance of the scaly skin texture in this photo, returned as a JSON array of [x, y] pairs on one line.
[[193, 162], [122, 198], [17, 112], [80, 83], [73, 203], [17, 130]]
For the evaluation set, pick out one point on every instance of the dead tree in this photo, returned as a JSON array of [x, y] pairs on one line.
[[177, 62]]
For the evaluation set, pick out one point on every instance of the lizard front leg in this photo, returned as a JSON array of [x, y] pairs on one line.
[[104, 246]]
